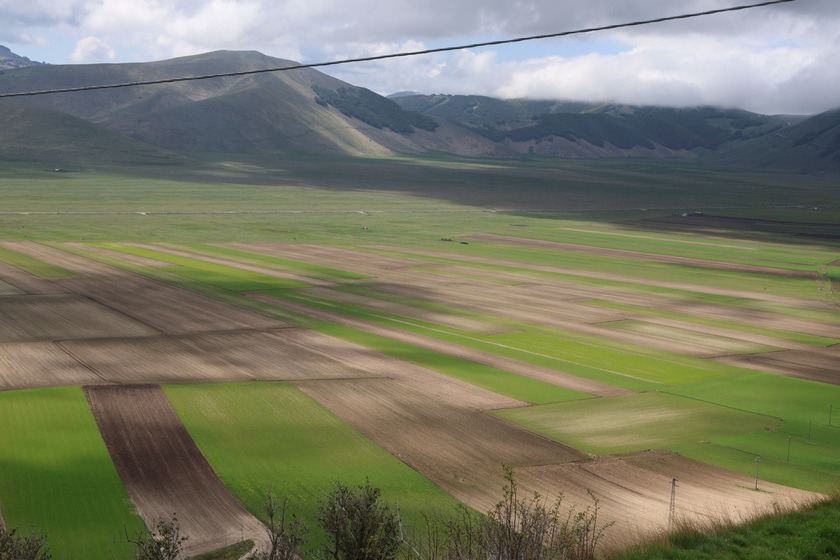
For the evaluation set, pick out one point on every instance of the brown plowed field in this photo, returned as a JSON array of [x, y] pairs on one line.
[[7, 289], [127, 257], [821, 365], [27, 283], [62, 316], [28, 365], [608, 276], [163, 470], [493, 360], [402, 310], [332, 257], [531, 307], [641, 256], [242, 356], [635, 492], [163, 307], [460, 450], [434, 385]]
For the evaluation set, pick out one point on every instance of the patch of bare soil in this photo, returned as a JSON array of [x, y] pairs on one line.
[[28, 365], [533, 305], [163, 470], [634, 491], [434, 385], [7, 289], [547, 375], [235, 356], [161, 306], [403, 310], [642, 256], [127, 257], [459, 449], [817, 364], [20, 281], [332, 257], [234, 264], [62, 316], [612, 277]]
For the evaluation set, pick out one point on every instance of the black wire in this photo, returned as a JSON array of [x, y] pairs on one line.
[[399, 55]]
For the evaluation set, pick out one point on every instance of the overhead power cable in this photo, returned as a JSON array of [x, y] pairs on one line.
[[398, 55]]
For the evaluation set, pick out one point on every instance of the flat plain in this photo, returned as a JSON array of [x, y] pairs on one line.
[[610, 328]]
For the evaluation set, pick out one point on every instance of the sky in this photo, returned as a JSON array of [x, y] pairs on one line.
[[781, 59]]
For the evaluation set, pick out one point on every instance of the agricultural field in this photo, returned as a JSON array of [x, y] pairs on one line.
[[280, 324]]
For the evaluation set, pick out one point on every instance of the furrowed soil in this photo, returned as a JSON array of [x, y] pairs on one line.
[[524, 369], [41, 364], [163, 470], [162, 307], [635, 491]]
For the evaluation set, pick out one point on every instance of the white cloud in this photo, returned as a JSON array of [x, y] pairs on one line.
[[92, 49], [778, 58]]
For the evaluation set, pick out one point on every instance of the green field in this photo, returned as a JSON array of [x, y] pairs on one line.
[[57, 476], [636, 422], [277, 438], [32, 266]]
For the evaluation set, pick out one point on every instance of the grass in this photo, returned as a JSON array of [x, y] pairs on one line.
[[295, 447], [810, 534], [232, 552], [225, 277], [492, 379], [32, 266], [56, 474], [790, 336], [636, 422], [307, 269]]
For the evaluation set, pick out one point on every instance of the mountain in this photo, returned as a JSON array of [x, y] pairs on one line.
[[812, 146], [301, 111], [9, 60], [575, 129], [31, 133], [306, 112]]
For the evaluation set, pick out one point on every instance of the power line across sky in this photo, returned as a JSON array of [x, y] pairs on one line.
[[399, 54]]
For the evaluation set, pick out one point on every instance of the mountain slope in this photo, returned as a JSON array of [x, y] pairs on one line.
[[9, 60], [812, 146], [264, 113], [31, 133]]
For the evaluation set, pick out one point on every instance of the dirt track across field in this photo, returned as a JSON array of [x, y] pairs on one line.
[[163, 470], [641, 256]]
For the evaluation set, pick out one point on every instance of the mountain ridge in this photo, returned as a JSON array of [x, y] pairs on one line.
[[307, 112]]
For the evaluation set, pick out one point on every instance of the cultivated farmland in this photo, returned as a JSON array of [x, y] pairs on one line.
[[611, 352]]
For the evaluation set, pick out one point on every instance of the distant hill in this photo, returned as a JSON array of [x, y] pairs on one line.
[[301, 111], [9, 60], [574, 129], [31, 133], [812, 146], [307, 112]]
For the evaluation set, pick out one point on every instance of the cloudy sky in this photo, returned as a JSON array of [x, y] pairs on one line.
[[777, 59]]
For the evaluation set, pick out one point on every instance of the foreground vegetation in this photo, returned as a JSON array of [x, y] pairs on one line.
[[810, 534]]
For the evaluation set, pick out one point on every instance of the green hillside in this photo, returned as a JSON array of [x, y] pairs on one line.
[[31, 133]]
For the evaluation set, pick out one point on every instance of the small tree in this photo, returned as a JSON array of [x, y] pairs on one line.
[[15, 546], [285, 538], [359, 525], [164, 543]]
